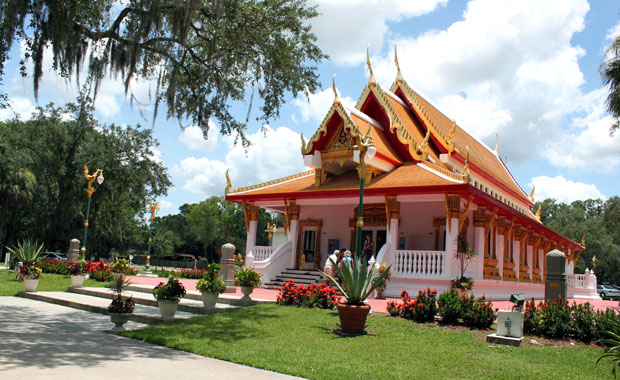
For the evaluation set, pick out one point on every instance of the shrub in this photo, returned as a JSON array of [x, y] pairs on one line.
[[75, 269], [53, 266], [531, 318], [247, 277], [422, 309], [393, 308], [555, 319], [605, 321], [583, 322], [320, 296], [450, 307], [478, 313]]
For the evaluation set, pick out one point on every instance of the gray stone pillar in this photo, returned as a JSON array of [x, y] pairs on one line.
[[227, 262], [74, 251], [555, 286]]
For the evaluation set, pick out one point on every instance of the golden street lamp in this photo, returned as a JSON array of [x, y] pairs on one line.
[[154, 206], [365, 147], [90, 178]]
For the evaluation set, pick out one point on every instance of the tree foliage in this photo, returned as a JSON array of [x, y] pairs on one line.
[[610, 72], [201, 54], [54, 146], [600, 221]]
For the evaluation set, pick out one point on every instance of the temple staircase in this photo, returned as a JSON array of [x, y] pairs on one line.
[[300, 276]]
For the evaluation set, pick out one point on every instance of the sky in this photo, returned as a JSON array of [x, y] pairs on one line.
[[524, 72]]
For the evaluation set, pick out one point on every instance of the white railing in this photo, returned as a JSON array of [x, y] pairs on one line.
[[420, 264], [576, 280], [261, 253], [276, 262]]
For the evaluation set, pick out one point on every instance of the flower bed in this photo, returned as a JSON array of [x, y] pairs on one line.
[[192, 274], [53, 266], [320, 296], [475, 313]]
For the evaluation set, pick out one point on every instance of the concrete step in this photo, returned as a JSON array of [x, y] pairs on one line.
[[142, 313], [186, 304], [298, 281], [224, 298], [300, 276]]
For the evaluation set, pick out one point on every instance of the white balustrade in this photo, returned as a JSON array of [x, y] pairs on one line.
[[262, 253], [576, 280], [415, 264]]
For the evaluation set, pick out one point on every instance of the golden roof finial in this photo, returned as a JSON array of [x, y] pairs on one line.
[[399, 75], [496, 143], [372, 82], [583, 240], [229, 185], [450, 139], [304, 145], [466, 172], [532, 193], [538, 212], [336, 98], [426, 138]]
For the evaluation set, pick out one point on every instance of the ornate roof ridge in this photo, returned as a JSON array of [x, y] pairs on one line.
[[444, 171], [272, 182]]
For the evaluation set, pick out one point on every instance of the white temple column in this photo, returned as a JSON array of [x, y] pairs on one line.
[[479, 248], [293, 216], [516, 256], [530, 260], [499, 252], [392, 215], [451, 246], [250, 240]]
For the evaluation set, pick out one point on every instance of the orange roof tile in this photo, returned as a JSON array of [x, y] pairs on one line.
[[378, 137]]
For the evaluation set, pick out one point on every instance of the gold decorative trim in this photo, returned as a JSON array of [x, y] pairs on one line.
[[532, 193], [417, 151], [229, 185], [273, 182], [442, 170]]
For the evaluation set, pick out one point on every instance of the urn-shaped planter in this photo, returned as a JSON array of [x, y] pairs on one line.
[[209, 299], [119, 319], [77, 281], [352, 318], [30, 285], [168, 308]]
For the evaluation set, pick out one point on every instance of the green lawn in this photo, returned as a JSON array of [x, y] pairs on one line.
[[9, 285], [300, 342]]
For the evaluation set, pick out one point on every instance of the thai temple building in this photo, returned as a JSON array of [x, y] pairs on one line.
[[430, 190]]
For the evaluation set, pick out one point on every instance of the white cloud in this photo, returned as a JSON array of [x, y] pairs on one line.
[[613, 32], [564, 190], [165, 205], [155, 155], [19, 106], [506, 68], [272, 155], [316, 106], [345, 27], [193, 138]]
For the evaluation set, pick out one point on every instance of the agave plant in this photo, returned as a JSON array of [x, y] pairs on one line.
[[357, 281], [612, 344], [119, 284], [27, 251]]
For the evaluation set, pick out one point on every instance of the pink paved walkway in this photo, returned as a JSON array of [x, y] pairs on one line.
[[376, 305]]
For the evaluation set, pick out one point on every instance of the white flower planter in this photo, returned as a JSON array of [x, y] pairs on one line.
[[30, 285], [246, 291], [209, 299], [168, 308], [77, 281], [119, 319]]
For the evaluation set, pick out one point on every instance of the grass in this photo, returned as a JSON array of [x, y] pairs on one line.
[[301, 342], [9, 285]]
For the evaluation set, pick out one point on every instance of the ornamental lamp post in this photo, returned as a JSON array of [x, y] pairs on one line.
[[90, 178], [366, 147], [154, 206]]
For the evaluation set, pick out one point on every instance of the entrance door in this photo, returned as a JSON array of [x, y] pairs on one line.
[[308, 248]]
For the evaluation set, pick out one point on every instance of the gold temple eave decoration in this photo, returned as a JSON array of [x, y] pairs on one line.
[[273, 182], [229, 185]]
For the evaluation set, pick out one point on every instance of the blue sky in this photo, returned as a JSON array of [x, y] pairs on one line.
[[524, 70]]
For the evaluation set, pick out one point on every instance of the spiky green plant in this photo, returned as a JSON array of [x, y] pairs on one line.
[[357, 280], [27, 251], [612, 344], [119, 284]]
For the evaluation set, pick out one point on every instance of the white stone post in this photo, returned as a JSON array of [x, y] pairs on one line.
[[392, 239], [499, 252], [293, 238], [250, 240], [7, 259], [227, 262], [249, 260], [451, 247]]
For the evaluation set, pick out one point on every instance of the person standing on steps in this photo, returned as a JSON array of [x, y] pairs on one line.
[[369, 247]]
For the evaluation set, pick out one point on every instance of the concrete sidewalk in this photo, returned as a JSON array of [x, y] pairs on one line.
[[39, 340]]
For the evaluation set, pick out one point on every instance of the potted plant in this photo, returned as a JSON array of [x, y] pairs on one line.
[[168, 296], [30, 275], [247, 279], [77, 271], [210, 285], [120, 309], [120, 267], [358, 282], [26, 252], [385, 272]]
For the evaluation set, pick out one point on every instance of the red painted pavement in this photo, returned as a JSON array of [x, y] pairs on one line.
[[376, 305]]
